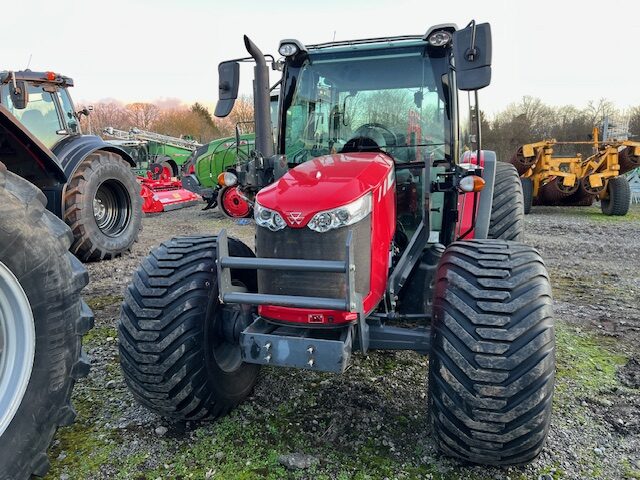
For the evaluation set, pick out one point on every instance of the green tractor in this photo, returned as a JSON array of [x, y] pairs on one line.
[[203, 173], [101, 200]]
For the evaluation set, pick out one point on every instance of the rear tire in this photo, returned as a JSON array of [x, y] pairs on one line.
[[507, 209], [491, 370], [175, 358], [619, 199], [103, 207], [44, 311], [527, 194]]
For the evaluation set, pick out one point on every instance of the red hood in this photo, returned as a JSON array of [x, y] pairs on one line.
[[324, 183]]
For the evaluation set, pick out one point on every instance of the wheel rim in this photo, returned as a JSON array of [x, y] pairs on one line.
[[229, 322], [233, 203], [112, 208], [17, 345]]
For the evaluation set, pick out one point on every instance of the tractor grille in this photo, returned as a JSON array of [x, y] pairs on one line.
[[304, 243]]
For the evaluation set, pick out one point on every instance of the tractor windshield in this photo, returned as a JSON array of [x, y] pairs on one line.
[[40, 115], [392, 102]]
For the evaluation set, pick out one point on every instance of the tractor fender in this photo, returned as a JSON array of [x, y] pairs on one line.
[[483, 216], [73, 150]]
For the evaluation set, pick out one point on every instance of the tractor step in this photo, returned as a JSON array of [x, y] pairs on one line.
[[326, 350]]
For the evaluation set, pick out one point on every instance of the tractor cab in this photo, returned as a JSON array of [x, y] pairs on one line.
[[371, 134], [41, 101]]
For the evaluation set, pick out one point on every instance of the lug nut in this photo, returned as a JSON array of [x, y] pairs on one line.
[[310, 350], [267, 346], [267, 358], [310, 362]]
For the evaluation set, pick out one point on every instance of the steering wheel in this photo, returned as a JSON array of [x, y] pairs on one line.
[[363, 130]]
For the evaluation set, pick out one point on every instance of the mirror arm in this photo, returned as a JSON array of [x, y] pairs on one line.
[[473, 51]]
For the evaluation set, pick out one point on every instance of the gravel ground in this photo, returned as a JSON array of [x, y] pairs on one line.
[[371, 422]]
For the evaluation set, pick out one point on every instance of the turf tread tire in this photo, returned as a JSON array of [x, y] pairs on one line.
[[619, 199], [34, 244], [507, 210], [491, 370], [162, 332]]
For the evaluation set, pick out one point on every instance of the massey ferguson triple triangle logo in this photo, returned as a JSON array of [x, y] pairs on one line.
[[296, 217]]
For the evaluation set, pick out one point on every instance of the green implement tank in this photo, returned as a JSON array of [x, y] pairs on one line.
[[149, 148]]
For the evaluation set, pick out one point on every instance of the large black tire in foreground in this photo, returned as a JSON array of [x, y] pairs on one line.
[[179, 348], [619, 199], [507, 210], [491, 370], [103, 207], [42, 320]]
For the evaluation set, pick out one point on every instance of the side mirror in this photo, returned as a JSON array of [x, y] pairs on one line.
[[19, 94], [472, 53], [228, 81]]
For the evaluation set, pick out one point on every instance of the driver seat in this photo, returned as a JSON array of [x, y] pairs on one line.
[[360, 144]]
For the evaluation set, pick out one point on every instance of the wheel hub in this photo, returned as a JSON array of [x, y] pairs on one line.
[[17, 345], [99, 210], [234, 204], [112, 208], [230, 321]]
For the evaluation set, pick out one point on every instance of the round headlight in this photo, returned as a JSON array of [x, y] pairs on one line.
[[323, 221], [278, 221], [265, 214], [288, 49], [343, 215], [230, 179], [439, 38]]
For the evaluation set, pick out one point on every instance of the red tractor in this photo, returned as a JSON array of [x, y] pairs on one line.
[[380, 225]]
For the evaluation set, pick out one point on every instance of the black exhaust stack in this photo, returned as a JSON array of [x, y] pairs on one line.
[[261, 99]]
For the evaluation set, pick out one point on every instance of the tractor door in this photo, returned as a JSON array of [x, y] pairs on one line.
[[40, 116]]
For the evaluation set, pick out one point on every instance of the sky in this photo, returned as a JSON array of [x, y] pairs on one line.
[[564, 52]]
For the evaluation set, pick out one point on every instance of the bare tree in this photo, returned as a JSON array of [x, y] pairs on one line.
[[142, 115], [105, 114], [180, 122]]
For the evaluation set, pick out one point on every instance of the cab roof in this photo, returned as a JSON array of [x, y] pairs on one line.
[[29, 76]]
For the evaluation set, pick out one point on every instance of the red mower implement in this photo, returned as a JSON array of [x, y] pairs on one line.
[[161, 193]]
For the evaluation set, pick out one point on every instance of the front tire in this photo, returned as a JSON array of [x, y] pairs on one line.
[[103, 207], [491, 370], [42, 320], [619, 197], [507, 210], [179, 347]]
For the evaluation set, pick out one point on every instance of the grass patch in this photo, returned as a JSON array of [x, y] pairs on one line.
[[630, 471], [102, 302], [98, 336], [574, 285], [82, 448], [632, 216], [585, 362]]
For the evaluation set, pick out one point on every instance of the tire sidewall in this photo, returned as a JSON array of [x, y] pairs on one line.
[[44, 272], [102, 172], [527, 194]]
